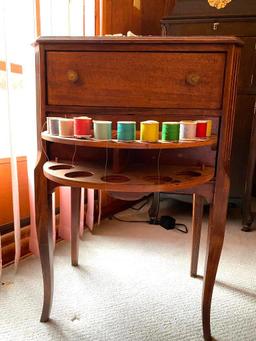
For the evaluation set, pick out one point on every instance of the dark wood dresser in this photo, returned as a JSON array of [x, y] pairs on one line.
[[163, 79], [196, 17]]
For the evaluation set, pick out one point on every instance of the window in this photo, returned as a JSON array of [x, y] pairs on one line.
[[17, 78]]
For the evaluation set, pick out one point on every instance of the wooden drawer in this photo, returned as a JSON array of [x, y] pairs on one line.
[[136, 79], [211, 27]]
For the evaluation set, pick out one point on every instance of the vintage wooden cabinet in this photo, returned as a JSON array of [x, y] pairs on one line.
[[196, 17], [166, 79]]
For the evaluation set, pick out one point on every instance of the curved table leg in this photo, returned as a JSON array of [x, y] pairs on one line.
[[216, 231], [154, 208], [75, 222], [247, 215], [45, 241], [197, 217]]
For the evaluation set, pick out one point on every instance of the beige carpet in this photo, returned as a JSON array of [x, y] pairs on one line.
[[133, 284]]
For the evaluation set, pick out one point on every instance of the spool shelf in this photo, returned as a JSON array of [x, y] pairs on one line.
[[136, 178], [211, 141]]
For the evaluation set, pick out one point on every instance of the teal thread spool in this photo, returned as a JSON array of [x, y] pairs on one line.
[[170, 131], [126, 130], [102, 130]]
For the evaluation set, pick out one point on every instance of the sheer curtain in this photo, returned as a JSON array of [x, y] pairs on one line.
[[18, 23]]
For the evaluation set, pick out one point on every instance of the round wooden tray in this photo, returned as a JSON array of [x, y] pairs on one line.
[[136, 178], [211, 141]]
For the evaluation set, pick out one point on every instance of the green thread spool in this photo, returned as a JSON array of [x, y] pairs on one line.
[[126, 130], [170, 131], [102, 130]]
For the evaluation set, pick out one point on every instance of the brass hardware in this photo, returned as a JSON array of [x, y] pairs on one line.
[[219, 4], [192, 79], [72, 76], [215, 26]]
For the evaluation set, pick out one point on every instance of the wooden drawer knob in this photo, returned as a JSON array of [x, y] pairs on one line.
[[192, 79], [72, 76], [215, 26]]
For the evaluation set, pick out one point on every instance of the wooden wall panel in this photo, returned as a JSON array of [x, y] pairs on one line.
[[152, 13], [121, 16], [142, 17]]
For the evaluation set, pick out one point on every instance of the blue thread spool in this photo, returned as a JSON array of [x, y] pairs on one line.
[[102, 130], [126, 130]]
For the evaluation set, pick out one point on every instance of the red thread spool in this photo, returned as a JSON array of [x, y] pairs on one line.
[[82, 126], [201, 128]]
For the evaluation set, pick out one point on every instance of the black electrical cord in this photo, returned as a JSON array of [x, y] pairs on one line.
[[183, 225], [142, 205], [128, 221], [146, 201], [167, 222], [156, 222]]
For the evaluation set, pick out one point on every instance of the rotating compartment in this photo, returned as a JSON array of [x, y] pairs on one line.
[[136, 178], [211, 141]]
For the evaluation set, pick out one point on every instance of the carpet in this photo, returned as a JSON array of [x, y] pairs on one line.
[[133, 284]]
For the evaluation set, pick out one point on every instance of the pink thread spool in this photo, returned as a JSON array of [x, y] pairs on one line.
[[66, 127], [82, 127]]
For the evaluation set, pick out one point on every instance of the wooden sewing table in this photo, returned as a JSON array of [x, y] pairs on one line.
[[164, 79]]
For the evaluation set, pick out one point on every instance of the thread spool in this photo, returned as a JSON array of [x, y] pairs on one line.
[[82, 127], [53, 125], [149, 131], [187, 130], [201, 128], [66, 127], [126, 130], [209, 128], [170, 131], [102, 130]]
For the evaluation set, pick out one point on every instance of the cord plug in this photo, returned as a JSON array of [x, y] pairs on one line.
[[167, 222]]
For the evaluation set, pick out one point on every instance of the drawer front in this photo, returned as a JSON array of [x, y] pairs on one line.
[[135, 79], [234, 28]]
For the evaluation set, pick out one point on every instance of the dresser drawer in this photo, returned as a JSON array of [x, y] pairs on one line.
[[211, 27], [135, 79]]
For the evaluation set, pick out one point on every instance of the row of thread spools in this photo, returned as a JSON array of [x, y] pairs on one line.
[[81, 127]]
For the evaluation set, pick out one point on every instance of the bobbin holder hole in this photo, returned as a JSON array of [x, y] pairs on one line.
[[190, 174], [78, 174], [115, 178], [60, 167]]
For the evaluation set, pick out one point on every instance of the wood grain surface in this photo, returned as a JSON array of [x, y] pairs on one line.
[[135, 178], [115, 144], [136, 79]]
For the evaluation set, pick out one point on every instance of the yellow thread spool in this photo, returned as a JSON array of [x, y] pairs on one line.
[[149, 131], [209, 128]]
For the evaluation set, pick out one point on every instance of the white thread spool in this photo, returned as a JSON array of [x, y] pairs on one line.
[[66, 127], [53, 125], [187, 130], [102, 130]]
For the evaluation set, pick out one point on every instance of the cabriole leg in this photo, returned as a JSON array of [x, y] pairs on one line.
[[197, 217], [216, 231], [75, 221]]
